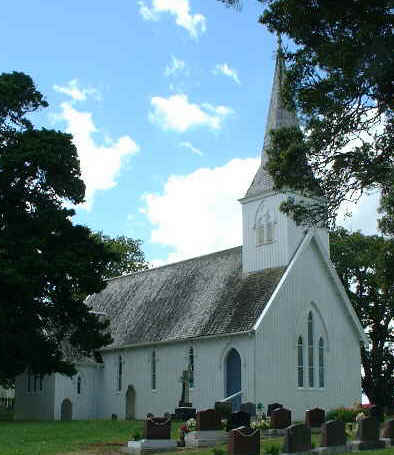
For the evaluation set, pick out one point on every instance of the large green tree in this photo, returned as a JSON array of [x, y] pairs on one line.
[[48, 265], [129, 255], [340, 68], [365, 265]]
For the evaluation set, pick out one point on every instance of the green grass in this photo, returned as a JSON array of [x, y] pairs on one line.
[[95, 437]]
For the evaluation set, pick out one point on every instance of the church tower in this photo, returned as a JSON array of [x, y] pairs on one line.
[[270, 238]]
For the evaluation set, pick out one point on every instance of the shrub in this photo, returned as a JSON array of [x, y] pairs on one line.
[[346, 415], [272, 449], [136, 435], [218, 451]]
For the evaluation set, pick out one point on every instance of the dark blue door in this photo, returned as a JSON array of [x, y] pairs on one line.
[[233, 377]]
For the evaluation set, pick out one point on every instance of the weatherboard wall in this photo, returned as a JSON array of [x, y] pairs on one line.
[[308, 287], [172, 359]]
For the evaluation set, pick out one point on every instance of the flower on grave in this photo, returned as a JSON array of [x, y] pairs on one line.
[[191, 424], [261, 424], [360, 416]]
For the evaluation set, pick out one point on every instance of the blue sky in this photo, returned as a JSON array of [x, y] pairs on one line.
[[166, 100]]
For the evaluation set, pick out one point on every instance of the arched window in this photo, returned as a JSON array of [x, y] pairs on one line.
[[321, 362], [191, 365], [310, 350], [153, 372], [36, 381], [79, 381], [120, 372], [41, 382], [300, 349], [264, 226]]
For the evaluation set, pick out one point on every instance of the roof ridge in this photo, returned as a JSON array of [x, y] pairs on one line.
[[228, 250]]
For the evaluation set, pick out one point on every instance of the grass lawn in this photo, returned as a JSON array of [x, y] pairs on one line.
[[94, 437]]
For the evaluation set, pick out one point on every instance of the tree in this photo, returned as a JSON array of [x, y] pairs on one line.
[[48, 266], [365, 265], [130, 257], [339, 79]]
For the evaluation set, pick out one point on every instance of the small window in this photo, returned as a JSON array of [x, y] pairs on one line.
[[321, 362], [153, 371], [270, 231], [120, 373], [191, 366], [310, 350], [29, 382], [300, 349], [41, 382], [79, 381], [260, 235]]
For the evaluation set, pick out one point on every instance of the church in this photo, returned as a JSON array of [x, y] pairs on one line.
[[268, 321]]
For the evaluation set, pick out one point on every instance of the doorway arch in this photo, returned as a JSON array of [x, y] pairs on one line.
[[233, 377], [130, 403], [66, 410]]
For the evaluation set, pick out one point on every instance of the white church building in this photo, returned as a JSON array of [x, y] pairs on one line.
[[269, 318]]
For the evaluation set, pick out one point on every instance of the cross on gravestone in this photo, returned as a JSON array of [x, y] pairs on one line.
[[185, 379]]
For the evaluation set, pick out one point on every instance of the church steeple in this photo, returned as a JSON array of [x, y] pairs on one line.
[[278, 116]]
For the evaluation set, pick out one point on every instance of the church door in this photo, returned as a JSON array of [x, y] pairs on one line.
[[130, 403], [233, 377], [66, 410]]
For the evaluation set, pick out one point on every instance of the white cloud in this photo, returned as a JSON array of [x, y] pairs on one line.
[[191, 147], [177, 114], [224, 69], [100, 164], [199, 213], [176, 66], [77, 94], [364, 216], [195, 24]]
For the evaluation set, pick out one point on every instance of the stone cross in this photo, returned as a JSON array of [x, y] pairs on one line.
[[185, 380]]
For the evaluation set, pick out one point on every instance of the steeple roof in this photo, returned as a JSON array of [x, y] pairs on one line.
[[278, 116]]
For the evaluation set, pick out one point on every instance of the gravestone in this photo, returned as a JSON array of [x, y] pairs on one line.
[[333, 434], [208, 420], [208, 432], [157, 428], [244, 441], [314, 417], [376, 411], [157, 437], [273, 406], [250, 408], [367, 435], [238, 419], [280, 418], [223, 408], [388, 433], [297, 439]]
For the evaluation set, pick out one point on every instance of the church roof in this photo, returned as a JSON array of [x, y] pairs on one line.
[[278, 117], [204, 296]]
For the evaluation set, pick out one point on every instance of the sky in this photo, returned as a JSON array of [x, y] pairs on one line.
[[167, 102]]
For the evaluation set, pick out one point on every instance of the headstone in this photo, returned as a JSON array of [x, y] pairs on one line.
[[333, 434], [114, 417], [376, 411], [244, 441], [280, 418], [223, 408], [238, 419], [185, 413], [157, 428], [297, 439], [314, 417], [208, 420], [388, 433], [250, 408], [273, 406], [367, 437]]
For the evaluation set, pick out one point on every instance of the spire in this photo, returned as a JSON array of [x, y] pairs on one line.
[[278, 116]]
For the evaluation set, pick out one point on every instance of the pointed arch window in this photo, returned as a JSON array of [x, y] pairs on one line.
[[153, 370], [120, 373], [300, 362], [321, 362], [191, 366], [310, 350], [79, 381], [264, 226]]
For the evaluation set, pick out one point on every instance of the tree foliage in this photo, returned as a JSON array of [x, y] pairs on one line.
[[365, 265], [339, 79], [130, 257], [47, 265]]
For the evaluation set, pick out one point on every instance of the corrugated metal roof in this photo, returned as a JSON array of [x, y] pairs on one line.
[[204, 296]]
